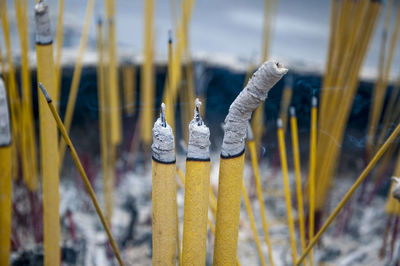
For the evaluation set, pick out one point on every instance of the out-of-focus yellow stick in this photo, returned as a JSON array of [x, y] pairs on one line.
[[228, 209], [297, 165], [129, 74], [147, 76], [285, 102], [76, 77], [113, 81], [48, 139], [253, 224], [28, 138], [81, 171], [282, 150], [5, 178], [13, 93], [105, 147], [260, 197], [168, 94], [59, 45], [350, 192], [311, 178]]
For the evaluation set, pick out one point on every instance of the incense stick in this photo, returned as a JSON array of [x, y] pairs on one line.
[[260, 197], [82, 172], [282, 150], [297, 165], [48, 139]]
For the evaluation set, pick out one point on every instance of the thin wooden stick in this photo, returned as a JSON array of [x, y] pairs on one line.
[[260, 197], [82, 172], [297, 165], [282, 150]]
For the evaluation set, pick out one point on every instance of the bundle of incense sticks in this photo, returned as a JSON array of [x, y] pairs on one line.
[[352, 27], [231, 169]]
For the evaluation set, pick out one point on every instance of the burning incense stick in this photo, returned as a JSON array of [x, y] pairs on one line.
[[5, 178], [350, 192], [260, 197], [81, 171], [282, 151], [163, 193], [232, 159], [297, 165], [197, 183], [212, 206], [48, 138]]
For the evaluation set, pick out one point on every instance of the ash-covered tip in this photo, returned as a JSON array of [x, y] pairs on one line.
[[292, 111], [314, 101], [5, 129], [44, 91], [42, 21], [169, 36], [162, 115], [396, 187], [279, 123], [255, 92], [250, 135], [163, 147], [197, 115], [199, 136]]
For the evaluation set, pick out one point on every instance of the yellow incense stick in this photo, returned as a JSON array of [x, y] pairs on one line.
[[81, 171], [129, 78], [196, 212], [147, 75], [73, 92], [113, 81], [5, 178], [28, 138], [5, 204], [228, 210], [13, 92], [260, 197], [297, 165], [282, 150], [311, 178], [48, 139], [253, 224], [59, 45]]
